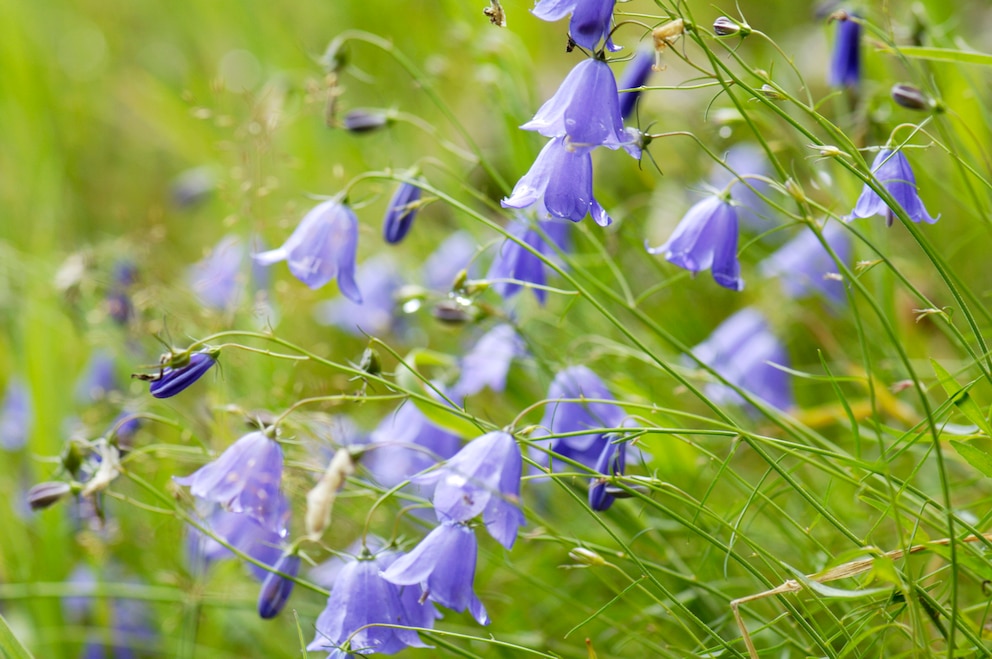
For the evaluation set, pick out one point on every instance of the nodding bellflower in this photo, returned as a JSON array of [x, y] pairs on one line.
[[892, 170], [246, 478], [515, 265], [443, 565], [240, 531], [591, 19], [805, 268], [845, 65], [612, 462], [321, 248], [586, 111], [706, 239], [16, 416], [559, 184], [217, 279], [634, 76], [399, 216], [742, 350], [448, 260], [488, 362], [376, 315], [276, 589], [175, 380], [482, 478]]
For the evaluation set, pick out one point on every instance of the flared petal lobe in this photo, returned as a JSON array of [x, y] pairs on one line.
[[892, 170]]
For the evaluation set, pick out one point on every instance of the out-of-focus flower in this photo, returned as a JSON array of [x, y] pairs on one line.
[[246, 479], [276, 589], [559, 184], [176, 380], [217, 280], [242, 532], [118, 300], [16, 416], [591, 19], [402, 209], [451, 257], [376, 313], [892, 170], [488, 362], [443, 565], [98, 378], [482, 478], [322, 247], [804, 267], [612, 462], [193, 186], [361, 602], [365, 121], [117, 633], [742, 350], [745, 160], [845, 65], [706, 239], [585, 110], [910, 97], [634, 76], [515, 265]]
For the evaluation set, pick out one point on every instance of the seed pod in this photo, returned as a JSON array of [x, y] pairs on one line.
[[910, 97], [44, 495]]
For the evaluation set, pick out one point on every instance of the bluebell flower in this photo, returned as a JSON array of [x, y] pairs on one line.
[[488, 362], [176, 380], [241, 531], [805, 268], [706, 239], [118, 300], [217, 279], [745, 160], [360, 602], [742, 350], [322, 247], [276, 589], [845, 65], [246, 478], [892, 170], [579, 401], [586, 111], [443, 565], [591, 19], [402, 209], [559, 184], [117, 632], [635, 75], [612, 462], [451, 257], [514, 265], [380, 280], [16, 416], [482, 478], [98, 378]]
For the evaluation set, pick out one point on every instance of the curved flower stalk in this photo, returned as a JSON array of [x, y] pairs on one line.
[[706, 239], [559, 184], [591, 19], [805, 268], [443, 565], [488, 362], [514, 264], [321, 248], [892, 170]]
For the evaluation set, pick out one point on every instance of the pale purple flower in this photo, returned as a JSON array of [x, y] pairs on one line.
[[706, 239], [805, 268], [451, 257], [743, 350], [443, 565], [114, 630], [514, 265], [559, 184], [276, 589], [176, 380], [16, 416], [585, 110], [241, 531], [246, 478], [98, 378], [482, 478], [217, 279], [591, 19], [845, 65], [892, 170], [400, 213], [488, 362], [376, 314], [634, 76], [746, 161], [322, 247], [360, 601]]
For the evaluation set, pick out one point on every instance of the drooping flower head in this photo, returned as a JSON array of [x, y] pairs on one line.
[[482, 478], [443, 565], [585, 110], [591, 19], [559, 184], [322, 247], [376, 314], [488, 362], [246, 478], [634, 76], [217, 279], [514, 265], [742, 350], [805, 268], [175, 380], [892, 170], [612, 462], [845, 65], [16, 416], [706, 239], [399, 216]]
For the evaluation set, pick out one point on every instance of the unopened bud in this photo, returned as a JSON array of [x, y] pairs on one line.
[[451, 313], [364, 121], [728, 27], [44, 495], [320, 500], [770, 92], [910, 97], [276, 589], [585, 556]]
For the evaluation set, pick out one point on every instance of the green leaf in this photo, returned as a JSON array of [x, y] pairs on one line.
[[942, 55], [961, 398], [10, 647], [976, 457]]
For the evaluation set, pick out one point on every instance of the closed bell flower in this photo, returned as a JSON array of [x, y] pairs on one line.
[[276, 588], [488, 362], [634, 76], [402, 209], [892, 170], [176, 379], [845, 64]]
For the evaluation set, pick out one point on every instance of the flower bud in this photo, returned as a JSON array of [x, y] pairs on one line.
[[586, 557], [728, 27], [276, 589], [44, 495], [451, 313], [364, 121], [399, 216], [174, 380], [910, 97], [771, 93]]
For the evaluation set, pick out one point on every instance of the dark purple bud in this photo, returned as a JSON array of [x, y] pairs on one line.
[[612, 462], [44, 495], [728, 27], [910, 97], [845, 66], [634, 76], [364, 121], [276, 589], [451, 313], [399, 216], [175, 380]]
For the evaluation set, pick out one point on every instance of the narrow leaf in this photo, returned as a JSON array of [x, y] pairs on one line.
[[976, 457]]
